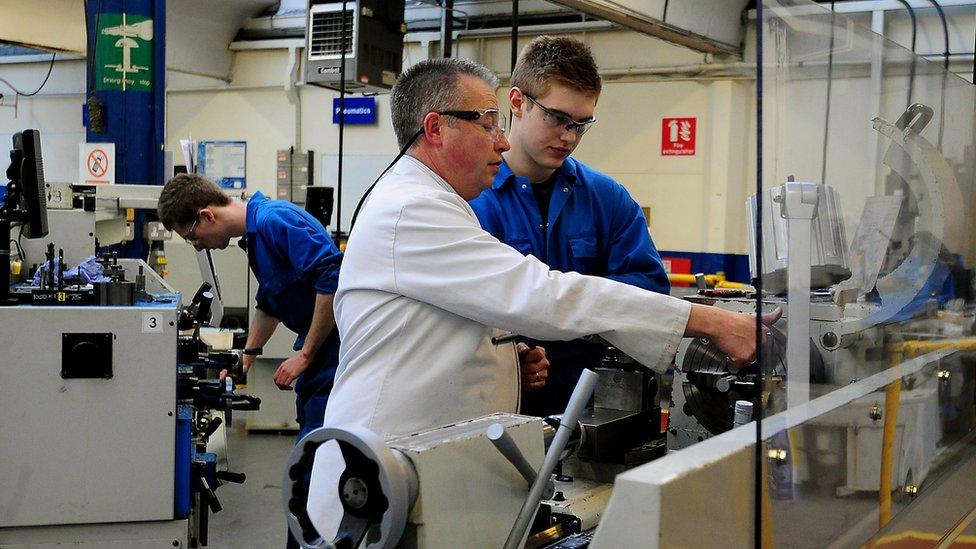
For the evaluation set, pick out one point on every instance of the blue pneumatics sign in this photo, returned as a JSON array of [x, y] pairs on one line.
[[358, 110]]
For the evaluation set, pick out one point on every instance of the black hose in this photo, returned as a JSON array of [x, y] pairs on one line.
[[911, 69], [945, 34]]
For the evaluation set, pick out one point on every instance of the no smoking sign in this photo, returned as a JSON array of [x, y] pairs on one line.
[[96, 163]]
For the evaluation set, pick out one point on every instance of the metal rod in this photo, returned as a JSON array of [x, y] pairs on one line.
[[581, 395], [447, 29], [60, 268], [342, 121], [506, 446], [759, 485], [507, 338], [515, 30]]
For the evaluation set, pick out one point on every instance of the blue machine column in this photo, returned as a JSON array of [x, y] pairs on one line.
[[127, 77]]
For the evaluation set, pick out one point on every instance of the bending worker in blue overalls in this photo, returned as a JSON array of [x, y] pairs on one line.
[[296, 265]]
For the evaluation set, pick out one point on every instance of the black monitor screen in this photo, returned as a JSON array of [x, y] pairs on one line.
[[319, 202], [27, 169]]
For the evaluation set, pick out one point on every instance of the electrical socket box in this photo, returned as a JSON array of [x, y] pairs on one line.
[[296, 171]]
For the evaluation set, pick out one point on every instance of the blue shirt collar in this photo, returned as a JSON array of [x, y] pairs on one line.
[[252, 210], [250, 223], [565, 173]]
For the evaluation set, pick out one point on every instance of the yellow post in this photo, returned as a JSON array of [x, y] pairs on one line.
[[892, 401]]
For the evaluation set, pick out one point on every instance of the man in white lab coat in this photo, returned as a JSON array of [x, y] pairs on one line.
[[423, 288]]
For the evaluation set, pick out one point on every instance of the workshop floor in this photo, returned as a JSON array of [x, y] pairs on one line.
[[252, 515]]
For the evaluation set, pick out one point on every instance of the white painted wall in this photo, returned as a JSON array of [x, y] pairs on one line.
[[254, 107]]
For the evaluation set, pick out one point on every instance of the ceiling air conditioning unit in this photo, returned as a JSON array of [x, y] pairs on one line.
[[373, 43]]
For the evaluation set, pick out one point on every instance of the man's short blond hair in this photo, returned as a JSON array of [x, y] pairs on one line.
[[558, 59]]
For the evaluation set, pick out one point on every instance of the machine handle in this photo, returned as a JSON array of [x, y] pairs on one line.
[[208, 494], [915, 118], [506, 446], [581, 395], [230, 476], [245, 402], [212, 427], [513, 337]]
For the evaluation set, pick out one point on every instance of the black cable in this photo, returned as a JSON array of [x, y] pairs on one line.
[[342, 121], [945, 72], [945, 33], [96, 113], [20, 245], [399, 155], [39, 88], [830, 74], [88, 48], [90, 53], [911, 69]]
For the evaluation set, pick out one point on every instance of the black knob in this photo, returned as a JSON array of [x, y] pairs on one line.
[[212, 427], [230, 476]]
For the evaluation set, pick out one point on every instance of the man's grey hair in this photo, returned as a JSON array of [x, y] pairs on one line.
[[430, 86]]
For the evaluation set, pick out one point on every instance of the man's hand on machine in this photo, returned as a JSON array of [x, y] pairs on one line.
[[534, 365], [734, 333]]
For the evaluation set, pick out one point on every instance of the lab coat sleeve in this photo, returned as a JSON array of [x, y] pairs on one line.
[[441, 256], [633, 259]]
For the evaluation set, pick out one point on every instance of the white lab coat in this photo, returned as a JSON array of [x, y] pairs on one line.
[[422, 290]]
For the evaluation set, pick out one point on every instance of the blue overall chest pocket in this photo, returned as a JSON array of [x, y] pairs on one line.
[[583, 250]]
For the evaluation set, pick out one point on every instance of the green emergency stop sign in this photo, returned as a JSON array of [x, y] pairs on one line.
[[123, 52]]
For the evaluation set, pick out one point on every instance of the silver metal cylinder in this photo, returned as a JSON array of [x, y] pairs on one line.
[[743, 413], [115, 293]]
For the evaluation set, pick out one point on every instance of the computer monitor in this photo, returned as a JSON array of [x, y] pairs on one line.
[[24, 202], [26, 173]]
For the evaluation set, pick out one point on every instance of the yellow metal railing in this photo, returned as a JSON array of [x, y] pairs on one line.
[[715, 280]]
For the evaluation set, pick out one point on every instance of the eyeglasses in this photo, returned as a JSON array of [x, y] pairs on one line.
[[556, 119], [495, 125], [191, 238]]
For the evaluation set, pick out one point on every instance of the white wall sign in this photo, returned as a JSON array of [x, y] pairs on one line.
[[96, 163]]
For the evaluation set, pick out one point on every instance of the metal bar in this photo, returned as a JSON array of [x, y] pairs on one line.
[[505, 445], [581, 395], [799, 207], [515, 30], [447, 25]]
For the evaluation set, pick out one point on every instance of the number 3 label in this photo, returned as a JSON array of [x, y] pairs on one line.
[[152, 323]]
